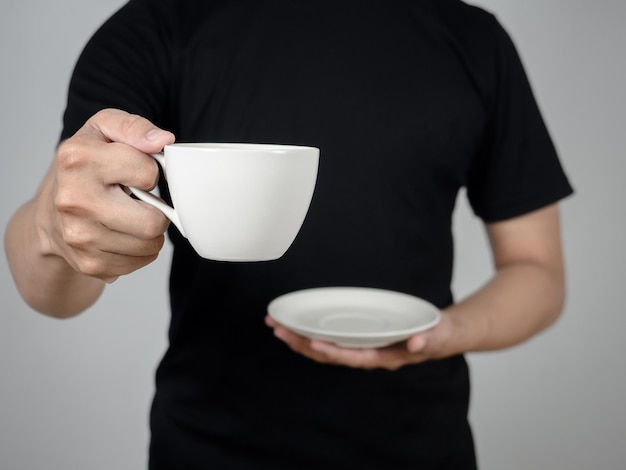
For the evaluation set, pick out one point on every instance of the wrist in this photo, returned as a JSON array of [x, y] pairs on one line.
[[467, 332]]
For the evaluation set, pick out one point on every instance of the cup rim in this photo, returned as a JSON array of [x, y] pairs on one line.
[[208, 146]]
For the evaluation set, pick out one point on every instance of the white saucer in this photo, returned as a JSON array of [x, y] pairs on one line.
[[354, 317]]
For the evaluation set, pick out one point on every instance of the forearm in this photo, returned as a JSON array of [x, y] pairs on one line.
[[521, 300], [45, 281], [525, 296]]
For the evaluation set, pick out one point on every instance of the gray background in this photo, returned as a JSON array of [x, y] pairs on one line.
[[75, 394]]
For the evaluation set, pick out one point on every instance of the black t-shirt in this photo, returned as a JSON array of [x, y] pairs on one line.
[[409, 101]]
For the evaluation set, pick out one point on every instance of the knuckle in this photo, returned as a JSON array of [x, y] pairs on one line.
[[154, 225], [148, 177], [104, 114], [131, 124], [75, 236], [70, 155], [153, 246], [92, 266], [63, 201], [66, 200]]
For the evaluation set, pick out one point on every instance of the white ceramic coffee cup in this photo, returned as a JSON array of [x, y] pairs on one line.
[[237, 202]]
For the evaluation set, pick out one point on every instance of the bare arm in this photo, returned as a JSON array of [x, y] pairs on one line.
[[81, 229], [527, 293], [524, 296], [45, 281]]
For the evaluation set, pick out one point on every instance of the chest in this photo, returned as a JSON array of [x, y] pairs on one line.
[[380, 88]]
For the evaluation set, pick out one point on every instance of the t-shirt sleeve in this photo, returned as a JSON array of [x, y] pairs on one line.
[[126, 65], [516, 169]]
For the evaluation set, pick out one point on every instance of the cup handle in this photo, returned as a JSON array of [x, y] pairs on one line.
[[156, 201]]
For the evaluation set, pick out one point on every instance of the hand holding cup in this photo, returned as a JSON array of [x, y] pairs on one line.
[[84, 214]]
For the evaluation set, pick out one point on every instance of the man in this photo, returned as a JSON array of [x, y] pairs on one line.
[[408, 101]]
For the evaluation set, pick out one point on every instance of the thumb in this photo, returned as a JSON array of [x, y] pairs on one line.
[[114, 125], [416, 343]]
